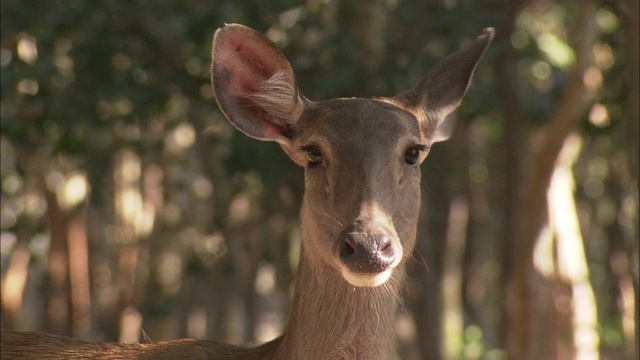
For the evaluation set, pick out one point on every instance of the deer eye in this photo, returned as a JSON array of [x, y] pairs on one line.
[[314, 156], [412, 155]]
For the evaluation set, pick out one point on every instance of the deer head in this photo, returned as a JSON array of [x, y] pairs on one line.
[[361, 156]]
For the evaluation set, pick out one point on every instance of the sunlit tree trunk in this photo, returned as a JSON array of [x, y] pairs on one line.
[[13, 284], [58, 302], [531, 216], [572, 271], [127, 173], [79, 271]]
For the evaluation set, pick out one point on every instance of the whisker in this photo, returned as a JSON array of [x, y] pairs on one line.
[[334, 219], [331, 226], [423, 261]]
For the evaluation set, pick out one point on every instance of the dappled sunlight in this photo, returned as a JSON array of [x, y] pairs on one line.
[[169, 272], [131, 208], [592, 79], [28, 87], [265, 279], [197, 323], [130, 325], [629, 309], [129, 203], [563, 217], [556, 49], [26, 48], [15, 279], [545, 24], [202, 188], [599, 116], [74, 191], [180, 139], [543, 253], [603, 56]]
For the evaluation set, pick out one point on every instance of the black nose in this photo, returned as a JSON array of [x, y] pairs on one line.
[[366, 249]]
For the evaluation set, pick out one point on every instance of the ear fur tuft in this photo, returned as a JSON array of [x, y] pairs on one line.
[[279, 100]]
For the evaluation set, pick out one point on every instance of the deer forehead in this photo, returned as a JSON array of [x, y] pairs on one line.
[[360, 127]]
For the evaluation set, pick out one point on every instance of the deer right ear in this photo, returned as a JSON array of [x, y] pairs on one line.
[[255, 85]]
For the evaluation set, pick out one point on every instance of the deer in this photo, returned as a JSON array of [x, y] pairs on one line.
[[359, 214]]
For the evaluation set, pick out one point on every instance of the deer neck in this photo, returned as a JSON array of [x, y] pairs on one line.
[[332, 319]]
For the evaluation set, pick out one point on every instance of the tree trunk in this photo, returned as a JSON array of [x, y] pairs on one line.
[[532, 213], [58, 301]]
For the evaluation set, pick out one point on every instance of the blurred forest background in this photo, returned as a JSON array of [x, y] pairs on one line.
[[129, 203]]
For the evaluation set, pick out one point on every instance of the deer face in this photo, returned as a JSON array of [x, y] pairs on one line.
[[361, 156], [362, 186]]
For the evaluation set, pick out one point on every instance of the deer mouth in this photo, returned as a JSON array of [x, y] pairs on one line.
[[366, 280]]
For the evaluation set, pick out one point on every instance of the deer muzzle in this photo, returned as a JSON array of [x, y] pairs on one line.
[[367, 253]]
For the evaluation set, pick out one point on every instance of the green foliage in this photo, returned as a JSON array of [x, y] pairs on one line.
[[85, 81]]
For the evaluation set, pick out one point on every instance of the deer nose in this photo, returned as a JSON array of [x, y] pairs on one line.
[[368, 251]]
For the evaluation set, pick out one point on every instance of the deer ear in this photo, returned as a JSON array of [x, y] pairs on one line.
[[442, 89], [255, 85]]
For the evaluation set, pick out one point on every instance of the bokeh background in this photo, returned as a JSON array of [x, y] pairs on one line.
[[130, 204]]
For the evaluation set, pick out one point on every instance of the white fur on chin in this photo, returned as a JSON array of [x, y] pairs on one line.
[[366, 280]]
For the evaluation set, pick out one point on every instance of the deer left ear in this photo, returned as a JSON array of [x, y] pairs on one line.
[[442, 89]]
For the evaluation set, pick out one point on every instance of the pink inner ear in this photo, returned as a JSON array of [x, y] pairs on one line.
[[250, 61], [244, 64], [270, 130]]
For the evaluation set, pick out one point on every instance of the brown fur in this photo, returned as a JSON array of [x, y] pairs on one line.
[[362, 182]]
